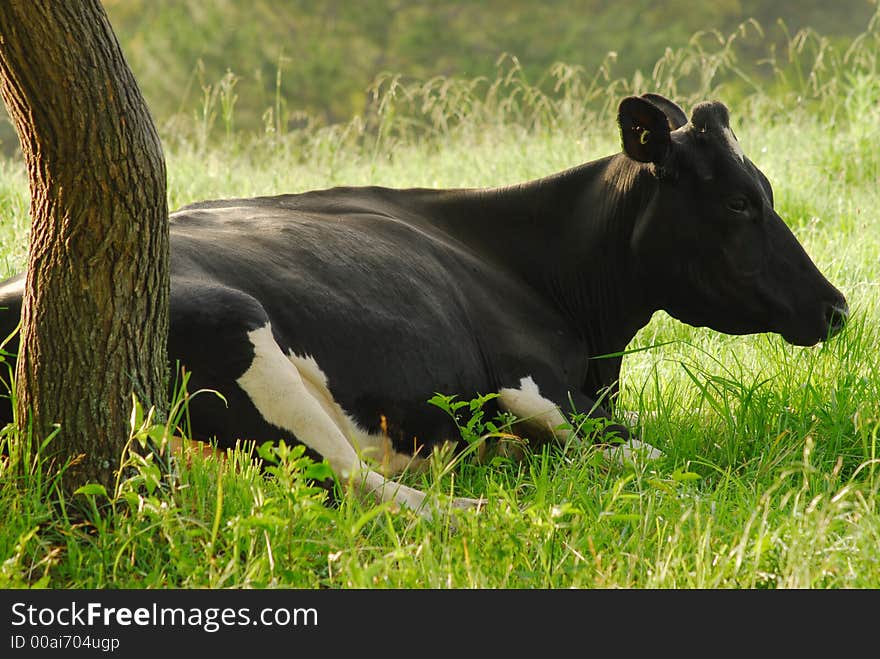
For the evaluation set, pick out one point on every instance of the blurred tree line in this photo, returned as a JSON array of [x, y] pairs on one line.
[[287, 61]]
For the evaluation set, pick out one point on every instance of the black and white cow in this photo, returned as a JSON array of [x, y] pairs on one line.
[[331, 317]]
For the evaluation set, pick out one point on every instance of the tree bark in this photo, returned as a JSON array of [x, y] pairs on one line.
[[95, 307]]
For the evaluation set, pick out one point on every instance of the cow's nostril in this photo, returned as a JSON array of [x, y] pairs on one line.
[[836, 317]]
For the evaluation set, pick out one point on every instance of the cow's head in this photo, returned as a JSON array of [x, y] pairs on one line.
[[709, 244]]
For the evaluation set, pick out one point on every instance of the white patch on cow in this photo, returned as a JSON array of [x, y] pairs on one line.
[[303, 406], [531, 407], [733, 144], [537, 412]]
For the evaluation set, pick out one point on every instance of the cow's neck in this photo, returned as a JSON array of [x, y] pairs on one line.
[[569, 236]]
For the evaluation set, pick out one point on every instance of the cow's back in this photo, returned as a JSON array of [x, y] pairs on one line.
[[379, 303]]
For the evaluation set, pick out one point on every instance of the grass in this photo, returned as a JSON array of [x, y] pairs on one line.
[[770, 478]]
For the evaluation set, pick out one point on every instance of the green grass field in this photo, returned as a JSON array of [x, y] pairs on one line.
[[769, 478]]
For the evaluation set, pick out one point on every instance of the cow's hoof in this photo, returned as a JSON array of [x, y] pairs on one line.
[[630, 417], [465, 503], [632, 451], [441, 511]]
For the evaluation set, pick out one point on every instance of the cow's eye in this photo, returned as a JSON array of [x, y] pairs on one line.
[[738, 204]]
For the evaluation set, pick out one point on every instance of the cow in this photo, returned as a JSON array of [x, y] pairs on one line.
[[331, 317]]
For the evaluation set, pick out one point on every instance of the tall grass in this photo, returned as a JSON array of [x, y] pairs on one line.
[[770, 477]]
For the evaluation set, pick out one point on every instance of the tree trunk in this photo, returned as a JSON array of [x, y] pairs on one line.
[[95, 308]]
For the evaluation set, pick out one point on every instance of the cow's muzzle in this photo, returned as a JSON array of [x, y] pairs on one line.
[[836, 316]]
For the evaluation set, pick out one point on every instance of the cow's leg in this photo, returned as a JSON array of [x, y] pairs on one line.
[[376, 447], [284, 399], [543, 416]]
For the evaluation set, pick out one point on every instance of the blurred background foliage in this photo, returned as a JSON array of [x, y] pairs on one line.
[[279, 65], [328, 52]]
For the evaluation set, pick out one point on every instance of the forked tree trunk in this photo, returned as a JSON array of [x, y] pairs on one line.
[[95, 308]]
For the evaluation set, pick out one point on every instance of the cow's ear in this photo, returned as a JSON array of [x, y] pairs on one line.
[[674, 114], [644, 130]]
